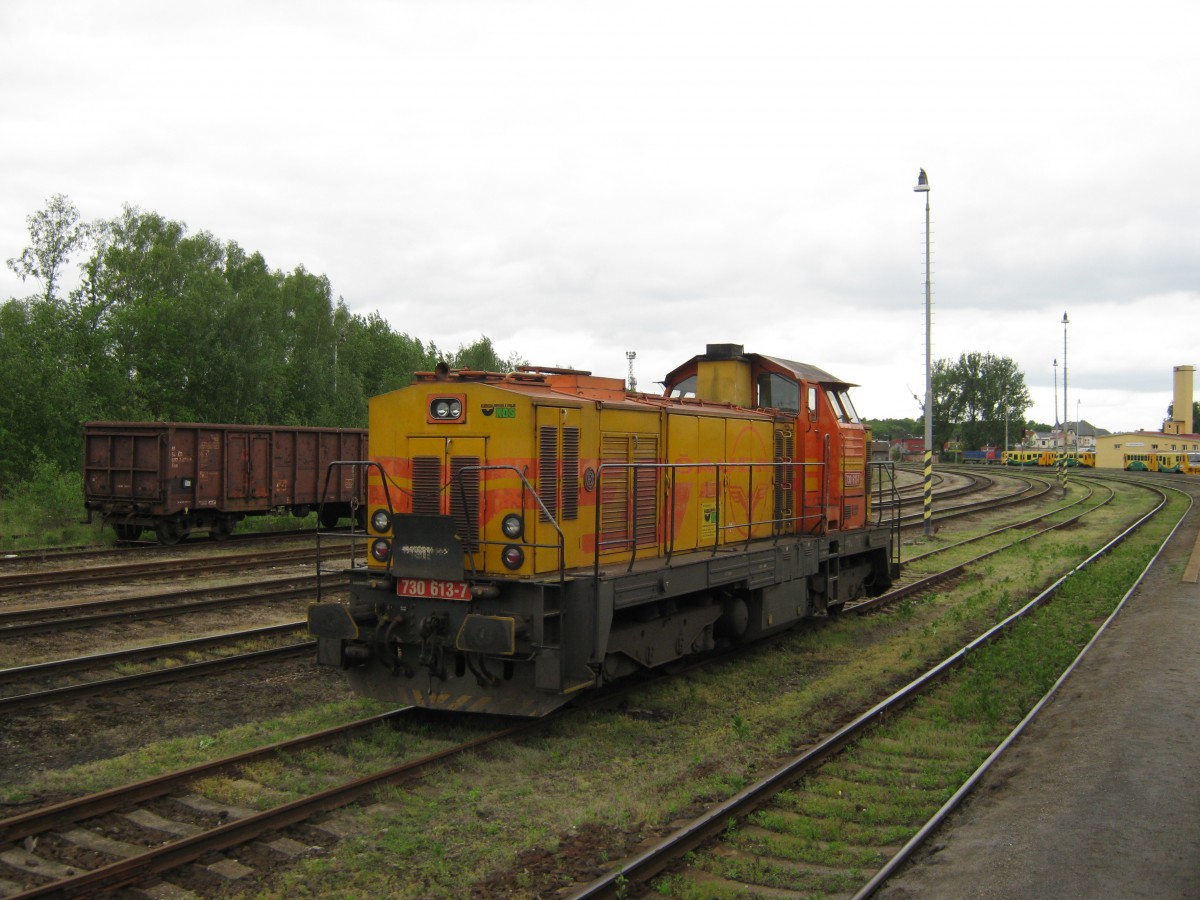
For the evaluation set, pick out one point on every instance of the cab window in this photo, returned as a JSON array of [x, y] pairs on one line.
[[685, 388], [778, 392], [842, 407]]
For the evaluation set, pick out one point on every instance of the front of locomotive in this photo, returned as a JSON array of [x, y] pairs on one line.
[[452, 608]]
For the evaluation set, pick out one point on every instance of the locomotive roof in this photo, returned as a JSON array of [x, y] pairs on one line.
[[799, 371], [805, 370]]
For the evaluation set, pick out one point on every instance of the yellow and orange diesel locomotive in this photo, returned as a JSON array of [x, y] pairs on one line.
[[541, 532]]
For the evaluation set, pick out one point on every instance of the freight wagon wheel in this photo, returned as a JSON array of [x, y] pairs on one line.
[[128, 532], [329, 517], [222, 529], [168, 532]]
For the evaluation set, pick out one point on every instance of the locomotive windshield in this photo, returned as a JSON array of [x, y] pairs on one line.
[[843, 407]]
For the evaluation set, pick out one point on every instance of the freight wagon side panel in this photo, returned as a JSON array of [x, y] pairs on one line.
[[184, 480], [332, 446], [292, 452], [122, 466]]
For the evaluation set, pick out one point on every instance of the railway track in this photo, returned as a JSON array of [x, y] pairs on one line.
[[913, 580], [166, 667], [92, 613], [126, 549], [121, 836], [58, 579], [864, 771], [229, 814]]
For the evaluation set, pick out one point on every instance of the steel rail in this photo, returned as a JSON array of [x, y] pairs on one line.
[[155, 676], [68, 812], [173, 854], [937, 577], [304, 588], [141, 548], [55, 667], [35, 580]]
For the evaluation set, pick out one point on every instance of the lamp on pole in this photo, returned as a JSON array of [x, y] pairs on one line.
[[923, 188]]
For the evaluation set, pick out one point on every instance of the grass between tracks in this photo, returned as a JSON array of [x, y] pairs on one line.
[[520, 818]]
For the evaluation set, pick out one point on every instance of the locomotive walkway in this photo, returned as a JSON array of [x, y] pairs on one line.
[[1100, 797]]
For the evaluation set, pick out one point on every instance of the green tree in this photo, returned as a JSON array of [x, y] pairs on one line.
[[480, 356], [39, 411], [167, 325], [55, 233], [975, 397], [896, 429]]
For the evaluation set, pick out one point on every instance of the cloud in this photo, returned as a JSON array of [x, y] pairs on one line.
[[581, 180]]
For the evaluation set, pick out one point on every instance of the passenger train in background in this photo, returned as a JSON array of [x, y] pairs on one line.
[[1187, 463], [539, 533], [1071, 458]]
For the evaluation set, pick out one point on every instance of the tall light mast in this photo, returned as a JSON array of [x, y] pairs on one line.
[[923, 187]]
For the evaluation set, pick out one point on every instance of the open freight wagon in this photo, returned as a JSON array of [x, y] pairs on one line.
[[178, 478]]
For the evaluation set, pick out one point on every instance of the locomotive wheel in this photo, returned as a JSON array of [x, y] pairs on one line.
[[168, 532]]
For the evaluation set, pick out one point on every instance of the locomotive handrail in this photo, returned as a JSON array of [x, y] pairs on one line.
[[891, 503], [631, 538], [476, 541], [362, 465]]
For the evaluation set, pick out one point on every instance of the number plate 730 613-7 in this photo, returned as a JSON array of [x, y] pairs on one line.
[[437, 590]]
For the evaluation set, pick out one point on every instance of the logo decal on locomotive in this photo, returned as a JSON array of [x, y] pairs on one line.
[[500, 410]]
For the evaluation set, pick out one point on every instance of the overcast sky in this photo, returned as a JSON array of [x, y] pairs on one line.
[[576, 180]]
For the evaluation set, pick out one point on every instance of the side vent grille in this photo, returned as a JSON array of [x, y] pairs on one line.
[[614, 489], [570, 473], [426, 485], [464, 500], [645, 450], [785, 452], [619, 508], [548, 470]]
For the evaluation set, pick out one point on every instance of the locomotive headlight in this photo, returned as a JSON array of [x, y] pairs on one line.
[[512, 526], [380, 549], [446, 409], [513, 557], [381, 521]]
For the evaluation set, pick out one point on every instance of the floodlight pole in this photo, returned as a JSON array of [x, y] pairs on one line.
[[923, 187]]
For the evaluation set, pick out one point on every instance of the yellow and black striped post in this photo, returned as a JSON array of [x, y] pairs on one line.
[[927, 514]]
